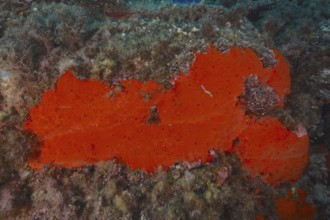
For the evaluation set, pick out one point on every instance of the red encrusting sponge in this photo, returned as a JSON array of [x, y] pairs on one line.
[[84, 121], [295, 207]]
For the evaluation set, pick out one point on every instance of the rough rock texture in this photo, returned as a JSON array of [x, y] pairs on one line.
[[110, 190], [112, 40], [258, 98]]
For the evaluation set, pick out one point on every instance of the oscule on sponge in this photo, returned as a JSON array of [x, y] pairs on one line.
[[79, 123]]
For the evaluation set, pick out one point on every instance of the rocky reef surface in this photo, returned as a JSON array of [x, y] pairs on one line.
[[154, 40]]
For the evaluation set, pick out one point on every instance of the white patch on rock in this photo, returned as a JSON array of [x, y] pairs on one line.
[[300, 130], [5, 200]]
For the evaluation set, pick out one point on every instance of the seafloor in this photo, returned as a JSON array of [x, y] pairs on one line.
[[111, 40]]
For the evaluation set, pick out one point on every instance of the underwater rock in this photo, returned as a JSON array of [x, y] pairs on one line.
[[199, 113]]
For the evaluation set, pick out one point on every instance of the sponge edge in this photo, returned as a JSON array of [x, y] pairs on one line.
[[79, 123], [295, 207], [269, 149]]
